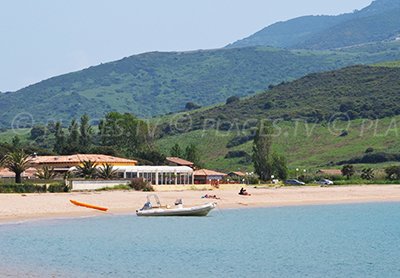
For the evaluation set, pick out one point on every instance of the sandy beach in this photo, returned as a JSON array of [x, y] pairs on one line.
[[21, 207]]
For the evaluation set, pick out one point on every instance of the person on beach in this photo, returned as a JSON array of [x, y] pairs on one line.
[[244, 192], [207, 196]]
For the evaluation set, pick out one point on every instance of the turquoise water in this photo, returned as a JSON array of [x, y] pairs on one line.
[[313, 241]]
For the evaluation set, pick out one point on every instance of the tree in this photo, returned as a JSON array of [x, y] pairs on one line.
[[17, 162], [106, 172], [86, 132], [59, 144], [191, 154], [46, 173], [262, 151], [368, 174], [232, 99], [348, 171], [16, 142], [176, 151], [37, 131], [87, 169], [152, 156], [192, 106], [279, 167], [128, 134], [73, 143]]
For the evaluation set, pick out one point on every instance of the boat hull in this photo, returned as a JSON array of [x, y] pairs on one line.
[[192, 211]]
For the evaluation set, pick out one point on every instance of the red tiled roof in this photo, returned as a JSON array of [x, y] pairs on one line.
[[179, 161], [240, 174], [5, 173], [205, 172], [77, 158]]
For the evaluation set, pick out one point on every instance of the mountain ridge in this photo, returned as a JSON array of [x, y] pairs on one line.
[[315, 32]]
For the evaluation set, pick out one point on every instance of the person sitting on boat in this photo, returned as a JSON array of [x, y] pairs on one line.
[[147, 206], [244, 192]]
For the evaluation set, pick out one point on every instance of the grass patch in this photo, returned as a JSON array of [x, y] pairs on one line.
[[115, 188]]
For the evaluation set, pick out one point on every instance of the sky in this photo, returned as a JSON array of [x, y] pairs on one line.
[[44, 38]]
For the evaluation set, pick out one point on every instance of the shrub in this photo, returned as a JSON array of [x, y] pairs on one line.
[[307, 178], [369, 150], [344, 133], [239, 140], [372, 158], [253, 180], [22, 188], [57, 188], [232, 99], [334, 177], [268, 105], [140, 184], [192, 106], [393, 173], [236, 154]]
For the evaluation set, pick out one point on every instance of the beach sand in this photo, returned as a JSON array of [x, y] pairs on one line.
[[21, 207]]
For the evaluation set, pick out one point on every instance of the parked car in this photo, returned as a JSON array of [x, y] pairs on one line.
[[294, 182], [325, 182]]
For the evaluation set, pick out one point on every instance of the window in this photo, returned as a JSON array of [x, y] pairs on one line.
[[131, 175]]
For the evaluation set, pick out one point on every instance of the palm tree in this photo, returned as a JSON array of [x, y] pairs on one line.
[[87, 169], [107, 172], [46, 173], [368, 174], [17, 162], [348, 171]]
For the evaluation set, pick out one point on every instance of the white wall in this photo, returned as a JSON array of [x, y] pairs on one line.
[[78, 185]]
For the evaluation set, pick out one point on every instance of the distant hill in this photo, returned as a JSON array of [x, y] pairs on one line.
[[366, 92], [157, 83], [377, 22]]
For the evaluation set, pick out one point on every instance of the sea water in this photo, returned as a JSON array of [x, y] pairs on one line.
[[360, 240]]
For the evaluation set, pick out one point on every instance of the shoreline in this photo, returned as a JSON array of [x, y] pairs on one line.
[[22, 208]]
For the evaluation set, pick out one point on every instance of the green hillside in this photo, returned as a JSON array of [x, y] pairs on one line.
[[320, 120], [350, 93], [377, 22], [157, 83], [306, 145]]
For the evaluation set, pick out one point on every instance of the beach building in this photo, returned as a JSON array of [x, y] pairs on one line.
[[204, 176], [177, 172], [62, 163], [177, 161], [158, 175], [237, 176]]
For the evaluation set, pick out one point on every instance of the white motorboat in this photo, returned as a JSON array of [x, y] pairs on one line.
[[179, 210]]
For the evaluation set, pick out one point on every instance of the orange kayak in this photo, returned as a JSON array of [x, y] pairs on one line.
[[88, 205]]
